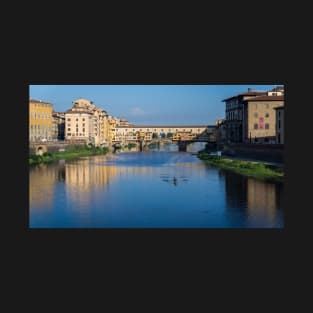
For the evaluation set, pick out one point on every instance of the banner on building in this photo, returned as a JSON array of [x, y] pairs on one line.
[[261, 122]]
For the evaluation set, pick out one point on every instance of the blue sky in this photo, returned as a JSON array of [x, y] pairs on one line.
[[148, 104]]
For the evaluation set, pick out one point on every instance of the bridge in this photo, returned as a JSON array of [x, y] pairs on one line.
[[182, 135]]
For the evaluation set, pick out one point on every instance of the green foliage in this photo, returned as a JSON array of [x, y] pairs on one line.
[[254, 169], [169, 135], [131, 145], [72, 152]]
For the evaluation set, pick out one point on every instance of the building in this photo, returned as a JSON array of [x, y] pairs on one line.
[[123, 122], [250, 116], [111, 130], [85, 122], [235, 114], [259, 122], [40, 120], [280, 134], [220, 132], [58, 125]]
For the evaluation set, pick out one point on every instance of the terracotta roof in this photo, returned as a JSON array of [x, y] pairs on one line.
[[38, 101], [277, 108], [278, 88], [77, 112], [266, 98], [248, 93]]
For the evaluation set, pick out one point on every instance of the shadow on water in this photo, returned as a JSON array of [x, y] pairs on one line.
[[149, 189]]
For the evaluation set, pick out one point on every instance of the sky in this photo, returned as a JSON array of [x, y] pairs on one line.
[[148, 104]]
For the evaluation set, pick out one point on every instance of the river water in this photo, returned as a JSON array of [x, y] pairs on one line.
[[155, 189]]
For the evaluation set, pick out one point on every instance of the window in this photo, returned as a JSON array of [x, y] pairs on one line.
[[279, 114], [84, 125], [77, 120], [267, 126], [255, 105], [279, 124], [255, 126], [255, 114], [83, 119], [267, 115], [68, 129], [77, 130], [83, 130], [68, 119]]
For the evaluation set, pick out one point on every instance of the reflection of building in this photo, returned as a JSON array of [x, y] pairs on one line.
[[236, 190], [261, 199], [280, 134], [41, 186], [40, 120], [83, 177]]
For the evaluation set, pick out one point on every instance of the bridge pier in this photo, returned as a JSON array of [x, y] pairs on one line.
[[182, 146]]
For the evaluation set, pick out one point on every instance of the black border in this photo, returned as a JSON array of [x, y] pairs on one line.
[[217, 68]]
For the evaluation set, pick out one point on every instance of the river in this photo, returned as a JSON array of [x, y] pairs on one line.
[[155, 189]]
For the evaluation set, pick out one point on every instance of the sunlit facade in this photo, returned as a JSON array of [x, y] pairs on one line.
[[85, 122], [40, 120]]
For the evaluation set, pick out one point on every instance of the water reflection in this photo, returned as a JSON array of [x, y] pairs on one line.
[[42, 185], [258, 201], [152, 189]]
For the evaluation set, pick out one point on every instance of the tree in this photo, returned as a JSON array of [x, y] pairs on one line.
[[155, 136], [169, 135], [162, 135]]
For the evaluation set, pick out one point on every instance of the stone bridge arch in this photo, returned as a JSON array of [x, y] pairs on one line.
[[40, 149]]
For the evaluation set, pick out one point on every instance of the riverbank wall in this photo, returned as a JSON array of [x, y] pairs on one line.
[[264, 152]]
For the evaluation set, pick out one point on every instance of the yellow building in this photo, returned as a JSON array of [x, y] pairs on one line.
[[40, 120], [111, 129], [260, 118]]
